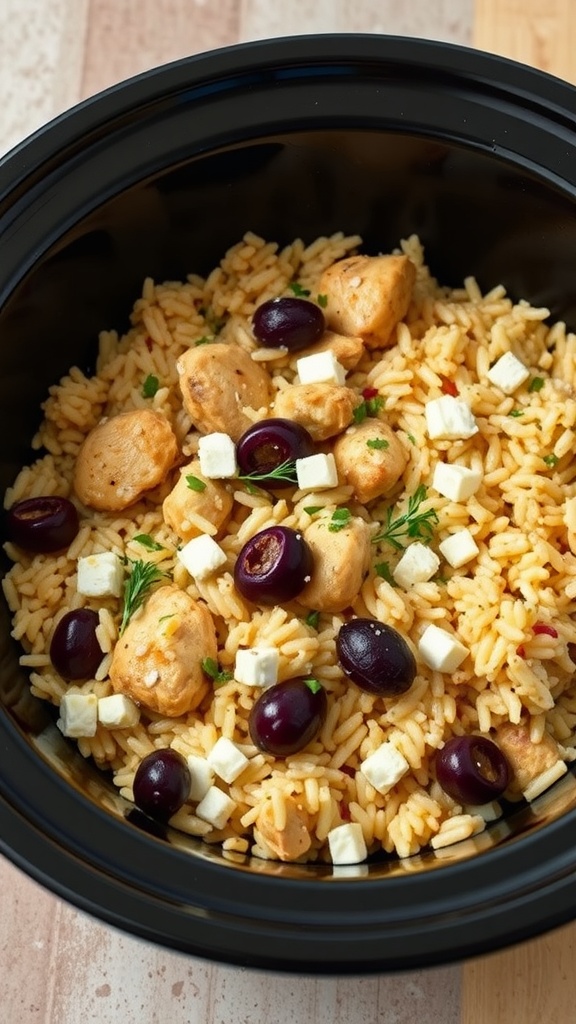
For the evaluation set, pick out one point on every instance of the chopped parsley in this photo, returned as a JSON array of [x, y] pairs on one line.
[[339, 519], [414, 523], [536, 384], [194, 483], [411, 438], [313, 684], [298, 290], [383, 570], [311, 510], [369, 407], [212, 669], [312, 619], [150, 386], [550, 460], [322, 301], [148, 542], [204, 340], [379, 443], [143, 575], [516, 413]]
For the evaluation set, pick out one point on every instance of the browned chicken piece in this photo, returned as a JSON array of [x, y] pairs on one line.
[[323, 409], [370, 457], [158, 659], [122, 458], [368, 296], [217, 382], [294, 840], [348, 351], [212, 502], [527, 760], [340, 560]]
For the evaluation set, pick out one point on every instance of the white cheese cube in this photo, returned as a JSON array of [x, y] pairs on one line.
[[385, 767], [78, 714], [201, 556], [450, 418], [508, 373], [100, 575], [201, 777], [418, 564], [459, 548], [215, 807], [217, 455], [346, 843], [257, 666], [227, 760], [440, 650], [320, 368], [316, 472], [456, 482], [117, 712]]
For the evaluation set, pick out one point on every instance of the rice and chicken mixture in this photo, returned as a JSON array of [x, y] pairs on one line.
[[478, 385]]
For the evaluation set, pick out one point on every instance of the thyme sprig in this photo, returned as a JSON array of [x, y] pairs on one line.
[[143, 575], [415, 523]]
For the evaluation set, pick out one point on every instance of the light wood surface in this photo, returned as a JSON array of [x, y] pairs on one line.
[[57, 965]]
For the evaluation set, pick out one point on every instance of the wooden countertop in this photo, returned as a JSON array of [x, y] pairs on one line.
[[58, 966]]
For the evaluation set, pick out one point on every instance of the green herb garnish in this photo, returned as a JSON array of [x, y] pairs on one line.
[[143, 575], [379, 443], [204, 340], [194, 483], [411, 438], [298, 290], [312, 619], [150, 386], [322, 301], [339, 519], [286, 472], [148, 542], [550, 460], [536, 384], [516, 413], [383, 570], [217, 675], [313, 684], [311, 510], [369, 407], [415, 524]]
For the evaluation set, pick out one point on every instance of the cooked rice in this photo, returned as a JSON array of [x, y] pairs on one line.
[[523, 520]]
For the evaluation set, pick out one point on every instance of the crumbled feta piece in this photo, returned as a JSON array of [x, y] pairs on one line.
[[100, 575], [217, 455], [346, 843], [201, 777], [456, 482], [440, 650], [257, 666], [215, 807], [227, 760], [450, 418], [418, 564], [459, 548], [508, 373], [117, 712], [78, 714], [201, 556], [385, 767], [316, 472], [320, 368]]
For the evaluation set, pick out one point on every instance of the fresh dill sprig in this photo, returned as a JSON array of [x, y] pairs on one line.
[[142, 576], [414, 523], [285, 472]]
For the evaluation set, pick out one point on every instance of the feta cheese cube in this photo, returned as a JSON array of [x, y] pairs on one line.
[[440, 650], [227, 760], [217, 455], [316, 472], [117, 712], [320, 368], [456, 482], [418, 564], [100, 575], [459, 548], [257, 666], [385, 767], [201, 556], [450, 418], [346, 843], [201, 777], [508, 373], [78, 714], [215, 807]]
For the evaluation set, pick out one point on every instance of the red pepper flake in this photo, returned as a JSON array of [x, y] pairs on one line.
[[369, 393], [543, 628], [448, 386], [344, 811], [149, 344], [521, 651], [348, 770]]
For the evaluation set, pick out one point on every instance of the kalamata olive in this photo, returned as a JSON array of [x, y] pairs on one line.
[[268, 444], [44, 524], [375, 657], [74, 649], [472, 769], [287, 716], [288, 323], [273, 566], [161, 783]]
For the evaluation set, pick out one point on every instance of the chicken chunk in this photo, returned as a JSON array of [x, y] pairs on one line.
[[323, 409], [158, 659], [340, 559], [122, 458], [368, 296], [211, 502], [292, 841], [527, 759], [370, 457], [347, 350], [218, 382]]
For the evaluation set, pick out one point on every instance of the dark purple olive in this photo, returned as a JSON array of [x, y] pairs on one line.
[[287, 716], [74, 649], [288, 323], [273, 566], [375, 657], [269, 443], [472, 769], [42, 524], [161, 783]]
